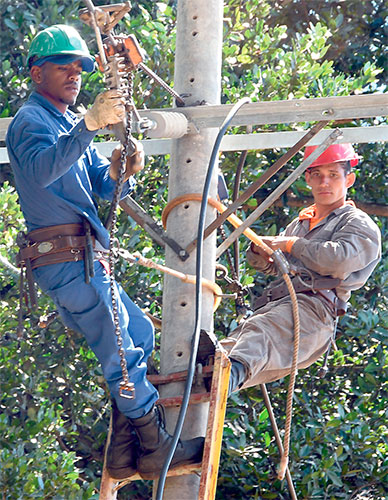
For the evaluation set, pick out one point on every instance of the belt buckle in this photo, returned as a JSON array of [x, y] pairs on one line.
[[45, 247]]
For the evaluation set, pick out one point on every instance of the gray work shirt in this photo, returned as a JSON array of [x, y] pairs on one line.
[[346, 245]]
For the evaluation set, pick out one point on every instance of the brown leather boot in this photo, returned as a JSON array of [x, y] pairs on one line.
[[121, 456], [155, 443]]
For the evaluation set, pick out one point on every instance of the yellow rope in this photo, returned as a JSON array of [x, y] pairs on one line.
[[186, 278]]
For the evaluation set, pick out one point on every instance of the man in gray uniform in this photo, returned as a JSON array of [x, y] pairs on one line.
[[334, 247]]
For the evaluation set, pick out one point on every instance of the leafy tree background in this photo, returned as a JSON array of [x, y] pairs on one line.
[[54, 405]]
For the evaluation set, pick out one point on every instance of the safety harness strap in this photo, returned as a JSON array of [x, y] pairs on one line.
[[322, 287]]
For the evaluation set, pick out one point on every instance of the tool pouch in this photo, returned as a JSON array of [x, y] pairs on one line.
[[53, 245]]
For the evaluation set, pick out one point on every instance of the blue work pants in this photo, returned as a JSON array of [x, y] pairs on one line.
[[87, 308]]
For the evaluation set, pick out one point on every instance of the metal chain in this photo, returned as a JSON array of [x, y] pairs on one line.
[[241, 307], [127, 388]]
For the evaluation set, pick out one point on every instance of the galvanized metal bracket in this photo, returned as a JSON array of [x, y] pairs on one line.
[[134, 210]]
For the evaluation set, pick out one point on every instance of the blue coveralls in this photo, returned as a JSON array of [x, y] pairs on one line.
[[57, 170]]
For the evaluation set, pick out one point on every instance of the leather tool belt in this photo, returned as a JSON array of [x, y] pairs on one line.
[[55, 245], [321, 287], [52, 245]]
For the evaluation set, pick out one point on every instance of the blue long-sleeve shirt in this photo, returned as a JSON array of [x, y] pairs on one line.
[[56, 167]]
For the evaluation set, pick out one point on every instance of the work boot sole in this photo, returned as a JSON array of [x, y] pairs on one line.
[[197, 458], [121, 473]]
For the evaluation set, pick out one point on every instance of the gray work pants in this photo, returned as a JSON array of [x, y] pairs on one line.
[[264, 342]]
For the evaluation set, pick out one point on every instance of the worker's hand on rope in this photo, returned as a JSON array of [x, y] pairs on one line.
[[283, 243], [260, 251], [134, 163], [107, 109]]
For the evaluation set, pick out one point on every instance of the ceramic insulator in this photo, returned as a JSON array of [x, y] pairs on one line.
[[167, 125]]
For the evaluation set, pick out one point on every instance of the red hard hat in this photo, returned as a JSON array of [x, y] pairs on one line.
[[333, 154]]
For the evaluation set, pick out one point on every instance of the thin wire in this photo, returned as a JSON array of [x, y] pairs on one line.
[[236, 189], [198, 298]]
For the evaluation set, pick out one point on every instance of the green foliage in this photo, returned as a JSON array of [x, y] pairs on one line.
[[358, 28], [152, 24], [261, 65], [54, 406]]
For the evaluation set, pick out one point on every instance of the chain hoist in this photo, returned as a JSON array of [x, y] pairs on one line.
[[118, 67], [119, 57], [127, 388]]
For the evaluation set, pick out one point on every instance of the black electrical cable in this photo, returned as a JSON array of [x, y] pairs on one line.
[[198, 297]]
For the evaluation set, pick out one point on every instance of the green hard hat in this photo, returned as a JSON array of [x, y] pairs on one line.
[[60, 40]]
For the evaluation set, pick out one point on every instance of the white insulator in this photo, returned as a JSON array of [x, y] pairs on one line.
[[167, 125]]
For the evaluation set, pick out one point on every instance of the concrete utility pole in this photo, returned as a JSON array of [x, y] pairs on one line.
[[197, 73]]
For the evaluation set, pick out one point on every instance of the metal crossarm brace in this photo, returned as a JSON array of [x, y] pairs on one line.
[[262, 180], [134, 210]]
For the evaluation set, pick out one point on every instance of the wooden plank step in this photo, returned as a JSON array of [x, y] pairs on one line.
[[110, 486], [208, 468]]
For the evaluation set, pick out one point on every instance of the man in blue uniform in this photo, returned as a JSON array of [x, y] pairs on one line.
[[57, 171]]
